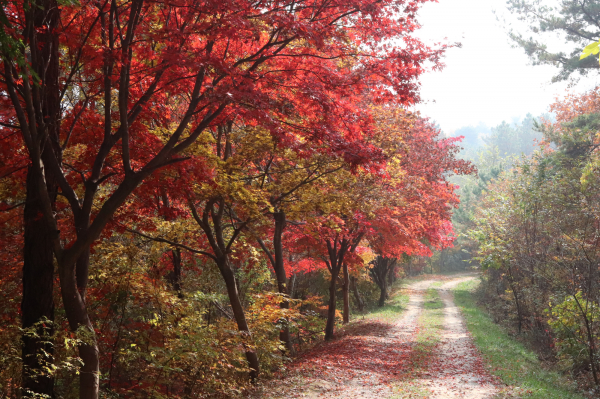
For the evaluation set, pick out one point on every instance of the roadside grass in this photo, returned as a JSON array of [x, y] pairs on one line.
[[392, 309], [517, 367], [430, 327]]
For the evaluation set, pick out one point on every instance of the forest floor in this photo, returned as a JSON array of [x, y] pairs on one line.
[[426, 352]]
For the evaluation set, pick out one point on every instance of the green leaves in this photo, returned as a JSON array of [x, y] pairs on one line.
[[593, 48]]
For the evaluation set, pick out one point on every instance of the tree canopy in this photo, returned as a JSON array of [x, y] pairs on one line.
[[165, 167]]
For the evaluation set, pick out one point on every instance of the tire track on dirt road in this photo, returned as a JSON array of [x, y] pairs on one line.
[[458, 370]]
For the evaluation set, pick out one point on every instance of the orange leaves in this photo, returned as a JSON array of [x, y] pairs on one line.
[[574, 105]]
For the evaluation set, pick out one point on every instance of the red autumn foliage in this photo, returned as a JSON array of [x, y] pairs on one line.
[[109, 106]]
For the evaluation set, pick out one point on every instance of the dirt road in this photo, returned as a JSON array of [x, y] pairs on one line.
[[457, 371], [376, 360]]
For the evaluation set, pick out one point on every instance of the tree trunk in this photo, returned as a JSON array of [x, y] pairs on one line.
[[82, 266], [383, 292], [517, 302], [279, 268], [220, 249], [293, 287], [331, 307], [346, 293], [381, 273], [80, 322], [238, 313], [360, 303], [38, 302], [175, 276], [37, 305], [337, 249], [442, 261], [591, 342], [391, 276]]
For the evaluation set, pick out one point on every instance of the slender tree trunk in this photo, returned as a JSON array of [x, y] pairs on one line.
[[331, 306], [391, 274], [220, 249], [238, 313], [79, 321], [346, 293], [293, 287], [337, 249], [276, 260], [517, 302], [519, 316], [279, 268], [383, 292], [360, 303], [73, 285], [591, 342], [175, 277]]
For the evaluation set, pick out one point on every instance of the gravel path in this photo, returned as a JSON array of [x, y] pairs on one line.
[[458, 370], [371, 361]]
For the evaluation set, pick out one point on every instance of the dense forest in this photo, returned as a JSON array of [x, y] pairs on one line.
[[194, 192], [535, 230], [186, 186]]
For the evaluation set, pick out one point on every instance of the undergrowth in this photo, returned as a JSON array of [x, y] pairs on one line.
[[392, 309], [517, 367]]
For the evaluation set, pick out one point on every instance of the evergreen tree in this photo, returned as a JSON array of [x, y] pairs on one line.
[[577, 22]]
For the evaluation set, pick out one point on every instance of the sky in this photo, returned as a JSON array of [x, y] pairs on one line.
[[486, 81]]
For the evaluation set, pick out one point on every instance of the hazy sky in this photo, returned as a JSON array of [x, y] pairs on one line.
[[486, 80]]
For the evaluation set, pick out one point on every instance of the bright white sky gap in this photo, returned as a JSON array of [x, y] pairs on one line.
[[486, 80]]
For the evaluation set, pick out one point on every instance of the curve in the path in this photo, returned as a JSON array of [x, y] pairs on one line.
[[368, 363]]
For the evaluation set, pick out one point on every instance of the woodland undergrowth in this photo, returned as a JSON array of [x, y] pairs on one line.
[[511, 357]]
